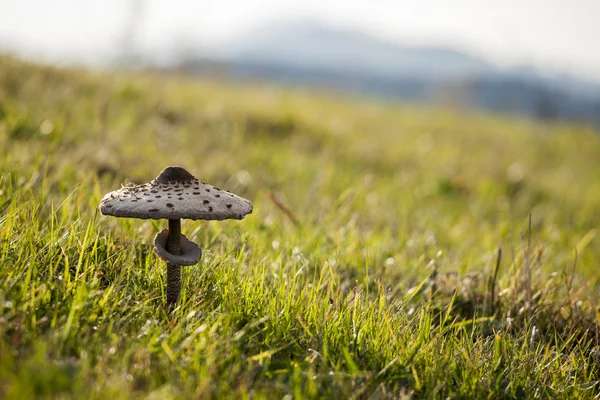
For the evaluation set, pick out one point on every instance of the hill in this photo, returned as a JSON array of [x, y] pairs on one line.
[[308, 53], [313, 46], [369, 267]]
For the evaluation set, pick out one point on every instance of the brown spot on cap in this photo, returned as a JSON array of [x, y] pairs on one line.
[[173, 174]]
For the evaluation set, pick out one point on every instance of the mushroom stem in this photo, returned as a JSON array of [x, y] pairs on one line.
[[173, 283], [173, 270], [174, 238]]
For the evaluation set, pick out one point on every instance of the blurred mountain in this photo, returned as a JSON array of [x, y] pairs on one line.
[[310, 45], [309, 53]]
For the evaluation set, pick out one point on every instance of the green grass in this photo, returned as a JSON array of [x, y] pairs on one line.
[[369, 269]]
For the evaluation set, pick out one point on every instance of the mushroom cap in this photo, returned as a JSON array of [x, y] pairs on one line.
[[174, 194], [190, 252]]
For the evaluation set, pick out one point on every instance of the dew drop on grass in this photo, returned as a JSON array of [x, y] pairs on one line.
[[268, 221], [46, 127], [514, 173], [244, 177], [411, 290]]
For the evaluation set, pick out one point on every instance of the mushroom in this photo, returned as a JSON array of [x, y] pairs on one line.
[[172, 195]]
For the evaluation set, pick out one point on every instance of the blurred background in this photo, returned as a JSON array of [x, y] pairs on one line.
[[537, 58]]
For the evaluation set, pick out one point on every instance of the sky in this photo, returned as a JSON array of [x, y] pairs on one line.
[[556, 35]]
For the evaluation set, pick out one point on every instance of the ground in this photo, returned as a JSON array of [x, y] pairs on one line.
[[394, 251]]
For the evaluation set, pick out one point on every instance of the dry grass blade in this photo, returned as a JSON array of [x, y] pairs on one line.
[[286, 211]]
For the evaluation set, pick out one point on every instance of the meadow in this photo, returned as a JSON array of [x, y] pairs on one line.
[[394, 251]]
